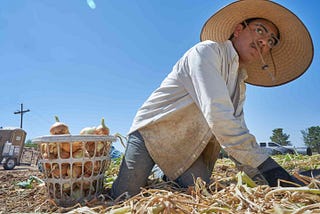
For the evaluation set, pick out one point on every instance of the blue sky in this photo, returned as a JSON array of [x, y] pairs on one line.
[[64, 58]]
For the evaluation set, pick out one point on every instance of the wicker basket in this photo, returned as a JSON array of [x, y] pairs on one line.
[[74, 166]]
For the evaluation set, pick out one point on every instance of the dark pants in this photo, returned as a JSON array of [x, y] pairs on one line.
[[137, 164]]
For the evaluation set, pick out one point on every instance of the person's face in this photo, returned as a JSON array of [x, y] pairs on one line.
[[259, 35]]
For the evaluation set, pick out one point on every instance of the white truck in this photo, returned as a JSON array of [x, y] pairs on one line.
[[273, 148]]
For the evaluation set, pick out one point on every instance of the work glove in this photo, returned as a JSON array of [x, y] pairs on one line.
[[272, 171]]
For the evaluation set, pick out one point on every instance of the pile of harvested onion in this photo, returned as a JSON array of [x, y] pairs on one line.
[[65, 162]]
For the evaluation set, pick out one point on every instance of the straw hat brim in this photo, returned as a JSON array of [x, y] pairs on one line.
[[292, 56]]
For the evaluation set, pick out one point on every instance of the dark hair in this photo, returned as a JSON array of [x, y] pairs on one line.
[[248, 21]]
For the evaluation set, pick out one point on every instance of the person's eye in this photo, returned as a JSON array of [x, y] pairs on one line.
[[275, 41], [271, 42], [260, 31]]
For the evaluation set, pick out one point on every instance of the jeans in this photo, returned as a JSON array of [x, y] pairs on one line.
[[135, 167], [137, 164]]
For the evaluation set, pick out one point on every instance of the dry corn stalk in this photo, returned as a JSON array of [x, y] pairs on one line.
[[229, 192]]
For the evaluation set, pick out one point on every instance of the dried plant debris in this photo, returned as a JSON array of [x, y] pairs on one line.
[[230, 191]]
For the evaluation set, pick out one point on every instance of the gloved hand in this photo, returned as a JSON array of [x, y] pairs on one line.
[[272, 171]]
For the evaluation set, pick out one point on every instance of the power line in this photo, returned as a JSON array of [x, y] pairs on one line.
[[21, 112]]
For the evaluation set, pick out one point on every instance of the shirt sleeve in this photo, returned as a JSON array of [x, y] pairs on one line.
[[203, 79]]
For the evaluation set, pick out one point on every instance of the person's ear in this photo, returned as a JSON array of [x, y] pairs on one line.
[[237, 30]]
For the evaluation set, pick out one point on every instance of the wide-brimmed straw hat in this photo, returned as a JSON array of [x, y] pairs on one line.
[[292, 56]]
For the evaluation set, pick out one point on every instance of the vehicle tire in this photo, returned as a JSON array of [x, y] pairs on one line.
[[291, 152], [275, 152], [309, 151], [10, 163]]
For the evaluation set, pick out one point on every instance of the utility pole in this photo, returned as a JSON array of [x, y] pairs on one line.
[[21, 112]]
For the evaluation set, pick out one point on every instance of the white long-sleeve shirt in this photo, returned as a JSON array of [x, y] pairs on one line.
[[201, 97]]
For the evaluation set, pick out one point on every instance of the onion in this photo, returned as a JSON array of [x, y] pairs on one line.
[[97, 167], [88, 166], [43, 148], [46, 169], [76, 171], [88, 130], [102, 129], [65, 146], [59, 128], [55, 172], [76, 146], [53, 150], [77, 154], [65, 170], [45, 155], [64, 154], [90, 147], [66, 187]]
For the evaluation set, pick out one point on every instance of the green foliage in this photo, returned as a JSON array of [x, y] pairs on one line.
[[311, 137], [29, 144], [279, 137], [28, 184], [112, 172]]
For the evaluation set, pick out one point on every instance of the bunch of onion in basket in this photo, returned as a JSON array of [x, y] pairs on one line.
[[65, 150], [96, 148]]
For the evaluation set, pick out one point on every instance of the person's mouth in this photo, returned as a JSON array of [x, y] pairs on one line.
[[257, 49], [253, 45]]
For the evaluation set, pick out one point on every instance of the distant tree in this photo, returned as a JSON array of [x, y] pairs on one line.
[[279, 137], [29, 143], [311, 137]]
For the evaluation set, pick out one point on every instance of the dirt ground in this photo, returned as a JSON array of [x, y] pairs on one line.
[[14, 199]]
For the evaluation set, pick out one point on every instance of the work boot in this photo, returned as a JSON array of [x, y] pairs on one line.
[[272, 171]]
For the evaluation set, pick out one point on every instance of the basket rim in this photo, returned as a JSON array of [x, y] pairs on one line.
[[73, 138]]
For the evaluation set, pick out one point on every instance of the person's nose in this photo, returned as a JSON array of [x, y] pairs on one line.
[[263, 45]]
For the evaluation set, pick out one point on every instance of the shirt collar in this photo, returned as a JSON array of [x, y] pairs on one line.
[[232, 51], [243, 75], [235, 58]]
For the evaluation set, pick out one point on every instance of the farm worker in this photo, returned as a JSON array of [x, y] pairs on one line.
[[198, 108]]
